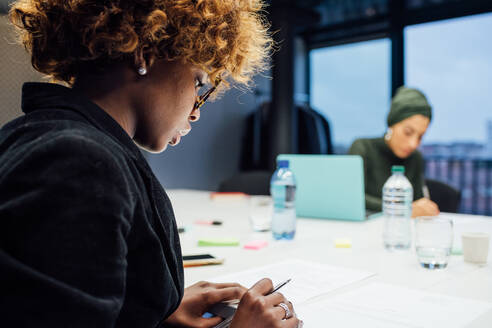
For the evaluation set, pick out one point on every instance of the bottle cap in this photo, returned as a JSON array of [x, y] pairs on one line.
[[283, 163], [397, 168]]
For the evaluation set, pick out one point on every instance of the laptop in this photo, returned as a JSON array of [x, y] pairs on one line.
[[329, 186]]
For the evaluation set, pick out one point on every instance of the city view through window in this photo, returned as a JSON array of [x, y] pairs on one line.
[[450, 62]]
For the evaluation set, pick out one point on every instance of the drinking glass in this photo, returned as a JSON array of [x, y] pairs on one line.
[[260, 212], [433, 241]]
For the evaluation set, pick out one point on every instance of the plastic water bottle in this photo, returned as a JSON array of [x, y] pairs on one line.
[[283, 190], [397, 210]]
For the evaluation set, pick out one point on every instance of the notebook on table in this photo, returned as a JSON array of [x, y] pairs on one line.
[[328, 186]]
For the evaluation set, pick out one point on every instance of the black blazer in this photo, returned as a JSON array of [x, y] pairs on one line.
[[87, 234]]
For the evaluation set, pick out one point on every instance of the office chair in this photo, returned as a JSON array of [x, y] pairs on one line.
[[314, 136], [251, 183], [446, 197]]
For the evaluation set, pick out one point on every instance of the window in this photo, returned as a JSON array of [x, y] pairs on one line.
[[451, 62], [350, 86]]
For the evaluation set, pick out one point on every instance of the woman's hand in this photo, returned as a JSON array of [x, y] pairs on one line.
[[260, 311], [200, 297], [424, 207]]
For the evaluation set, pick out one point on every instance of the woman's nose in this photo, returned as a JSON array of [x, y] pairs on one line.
[[414, 143]]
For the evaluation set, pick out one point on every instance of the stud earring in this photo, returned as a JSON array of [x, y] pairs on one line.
[[388, 134], [142, 71]]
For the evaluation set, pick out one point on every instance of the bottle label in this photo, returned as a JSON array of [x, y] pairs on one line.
[[290, 193], [397, 202], [283, 196]]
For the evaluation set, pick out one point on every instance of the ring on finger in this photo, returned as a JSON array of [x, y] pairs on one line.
[[293, 310], [288, 313]]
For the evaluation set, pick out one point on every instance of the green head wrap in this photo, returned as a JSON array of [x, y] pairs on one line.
[[408, 102]]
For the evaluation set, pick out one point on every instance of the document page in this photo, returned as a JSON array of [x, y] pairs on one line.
[[384, 306], [308, 279]]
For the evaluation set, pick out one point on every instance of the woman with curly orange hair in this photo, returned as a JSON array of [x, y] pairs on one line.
[[88, 235]]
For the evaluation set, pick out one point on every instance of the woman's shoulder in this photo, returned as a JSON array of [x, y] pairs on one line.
[[64, 162], [35, 143], [29, 135], [361, 146]]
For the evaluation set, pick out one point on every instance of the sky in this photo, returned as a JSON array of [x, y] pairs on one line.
[[450, 61]]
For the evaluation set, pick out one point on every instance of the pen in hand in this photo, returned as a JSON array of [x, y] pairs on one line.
[[275, 288], [282, 284], [227, 321]]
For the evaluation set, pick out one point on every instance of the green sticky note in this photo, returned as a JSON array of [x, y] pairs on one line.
[[218, 242]]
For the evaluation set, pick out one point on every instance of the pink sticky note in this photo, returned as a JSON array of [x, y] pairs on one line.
[[256, 244]]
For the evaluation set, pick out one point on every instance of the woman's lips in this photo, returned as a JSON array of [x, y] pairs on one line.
[[176, 139], [406, 153]]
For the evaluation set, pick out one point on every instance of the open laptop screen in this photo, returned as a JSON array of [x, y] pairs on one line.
[[329, 186]]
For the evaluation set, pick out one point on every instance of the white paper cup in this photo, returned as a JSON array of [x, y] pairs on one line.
[[475, 247]]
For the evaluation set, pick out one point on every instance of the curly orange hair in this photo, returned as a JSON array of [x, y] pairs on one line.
[[66, 37]]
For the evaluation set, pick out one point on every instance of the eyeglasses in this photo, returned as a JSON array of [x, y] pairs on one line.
[[201, 99]]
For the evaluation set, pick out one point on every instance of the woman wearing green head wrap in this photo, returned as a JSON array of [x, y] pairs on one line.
[[408, 120]]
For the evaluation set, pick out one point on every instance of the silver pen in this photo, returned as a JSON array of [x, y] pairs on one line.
[[277, 287]]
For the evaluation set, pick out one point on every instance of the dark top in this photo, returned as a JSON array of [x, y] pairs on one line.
[[87, 234], [378, 159]]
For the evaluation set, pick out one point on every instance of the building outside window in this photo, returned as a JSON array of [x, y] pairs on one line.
[[451, 62]]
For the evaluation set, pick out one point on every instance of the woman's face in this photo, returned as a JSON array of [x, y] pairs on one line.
[[407, 135], [164, 104]]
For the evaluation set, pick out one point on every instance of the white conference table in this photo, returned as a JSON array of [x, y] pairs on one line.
[[314, 241]]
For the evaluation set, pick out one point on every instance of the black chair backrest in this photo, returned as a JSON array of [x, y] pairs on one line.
[[311, 133], [326, 133], [251, 183], [314, 136], [446, 197]]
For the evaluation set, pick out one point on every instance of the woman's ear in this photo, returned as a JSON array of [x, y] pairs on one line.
[[388, 134]]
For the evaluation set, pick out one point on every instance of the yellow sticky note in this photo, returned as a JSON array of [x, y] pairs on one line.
[[343, 243]]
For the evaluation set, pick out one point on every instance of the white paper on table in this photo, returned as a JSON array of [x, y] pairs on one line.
[[308, 279], [382, 305]]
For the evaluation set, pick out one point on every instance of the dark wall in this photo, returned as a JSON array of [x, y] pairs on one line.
[[15, 69], [211, 152]]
